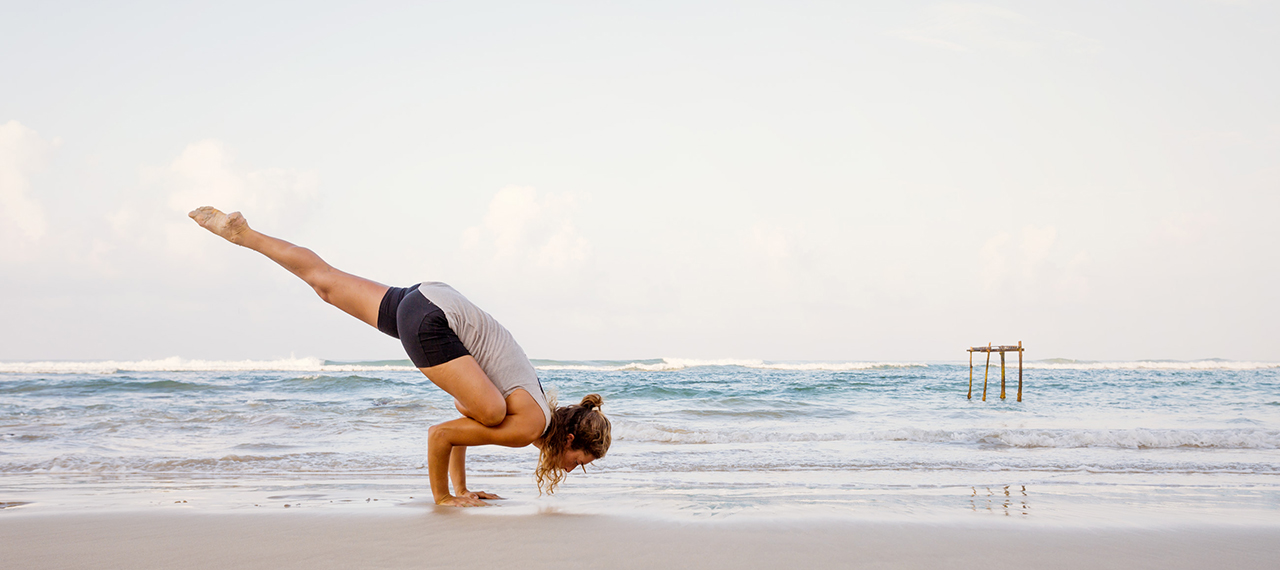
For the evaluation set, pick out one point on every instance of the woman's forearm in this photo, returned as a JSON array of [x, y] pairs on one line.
[[439, 450], [458, 469]]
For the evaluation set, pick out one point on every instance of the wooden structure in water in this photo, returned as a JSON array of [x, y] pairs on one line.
[[990, 349]]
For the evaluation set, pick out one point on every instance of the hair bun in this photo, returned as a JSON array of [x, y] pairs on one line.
[[592, 401]]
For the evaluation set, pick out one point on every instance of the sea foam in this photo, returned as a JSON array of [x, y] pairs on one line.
[[674, 364], [176, 364], [1210, 364]]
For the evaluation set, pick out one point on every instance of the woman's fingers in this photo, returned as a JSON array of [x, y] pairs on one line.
[[462, 501]]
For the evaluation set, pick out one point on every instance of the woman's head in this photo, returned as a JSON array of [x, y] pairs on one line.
[[578, 435]]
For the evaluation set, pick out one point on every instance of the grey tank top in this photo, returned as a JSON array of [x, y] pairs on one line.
[[493, 347]]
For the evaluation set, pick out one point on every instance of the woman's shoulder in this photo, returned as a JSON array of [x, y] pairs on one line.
[[521, 402]]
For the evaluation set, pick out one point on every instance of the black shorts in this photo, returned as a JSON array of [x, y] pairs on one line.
[[421, 327]]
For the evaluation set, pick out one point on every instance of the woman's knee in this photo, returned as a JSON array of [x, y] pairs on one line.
[[488, 415], [323, 283]]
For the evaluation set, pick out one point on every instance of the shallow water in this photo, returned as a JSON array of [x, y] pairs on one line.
[[701, 438]]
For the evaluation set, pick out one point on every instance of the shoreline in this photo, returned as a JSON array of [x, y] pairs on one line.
[[435, 537], [1125, 500]]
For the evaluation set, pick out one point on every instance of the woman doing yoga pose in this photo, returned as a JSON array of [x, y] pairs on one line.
[[461, 349]]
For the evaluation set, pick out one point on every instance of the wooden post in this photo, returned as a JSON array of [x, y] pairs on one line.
[[970, 373], [1019, 371], [985, 372], [1002, 373]]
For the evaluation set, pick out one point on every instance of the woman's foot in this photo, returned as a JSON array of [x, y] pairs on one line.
[[231, 227]]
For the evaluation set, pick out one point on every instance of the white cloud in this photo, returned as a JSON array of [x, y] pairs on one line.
[[206, 174], [983, 27], [522, 226], [22, 218]]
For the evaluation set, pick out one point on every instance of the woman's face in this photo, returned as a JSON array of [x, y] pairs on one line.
[[572, 458]]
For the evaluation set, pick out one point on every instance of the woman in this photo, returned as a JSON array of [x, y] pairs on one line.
[[462, 350]]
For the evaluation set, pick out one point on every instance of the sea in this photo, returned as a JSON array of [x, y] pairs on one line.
[[1118, 443]]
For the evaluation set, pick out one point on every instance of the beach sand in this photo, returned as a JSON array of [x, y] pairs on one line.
[[435, 538]]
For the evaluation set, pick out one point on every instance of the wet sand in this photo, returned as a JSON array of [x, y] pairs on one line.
[[433, 538]]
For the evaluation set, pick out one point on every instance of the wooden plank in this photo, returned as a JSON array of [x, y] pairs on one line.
[[1019, 370], [1010, 348], [985, 372], [1002, 375]]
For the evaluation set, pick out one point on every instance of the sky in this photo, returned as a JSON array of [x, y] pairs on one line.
[[890, 181]]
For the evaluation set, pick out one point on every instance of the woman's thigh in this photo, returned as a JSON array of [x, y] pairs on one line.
[[355, 295], [433, 346], [463, 379]]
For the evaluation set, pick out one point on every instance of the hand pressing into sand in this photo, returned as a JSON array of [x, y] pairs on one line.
[[461, 501]]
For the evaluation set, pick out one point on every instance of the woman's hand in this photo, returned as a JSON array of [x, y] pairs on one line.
[[522, 425], [480, 495], [461, 501]]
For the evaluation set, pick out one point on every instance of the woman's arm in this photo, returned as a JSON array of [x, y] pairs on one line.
[[458, 469], [458, 473], [522, 425]]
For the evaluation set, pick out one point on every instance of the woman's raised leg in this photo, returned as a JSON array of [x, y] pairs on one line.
[[357, 296], [361, 298]]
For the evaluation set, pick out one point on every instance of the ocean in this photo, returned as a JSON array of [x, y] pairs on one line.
[[1121, 442]]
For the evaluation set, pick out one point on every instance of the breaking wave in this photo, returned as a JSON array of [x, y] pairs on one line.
[[673, 364], [176, 364], [1209, 364]]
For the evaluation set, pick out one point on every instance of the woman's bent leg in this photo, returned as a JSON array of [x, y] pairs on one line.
[[357, 296], [474, 394]]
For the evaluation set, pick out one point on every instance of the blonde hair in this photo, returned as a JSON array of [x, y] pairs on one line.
[[591, 432]]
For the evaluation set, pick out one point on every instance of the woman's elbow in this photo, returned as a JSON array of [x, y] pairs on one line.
[[526, 440], [526, 436], [517, 435]]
